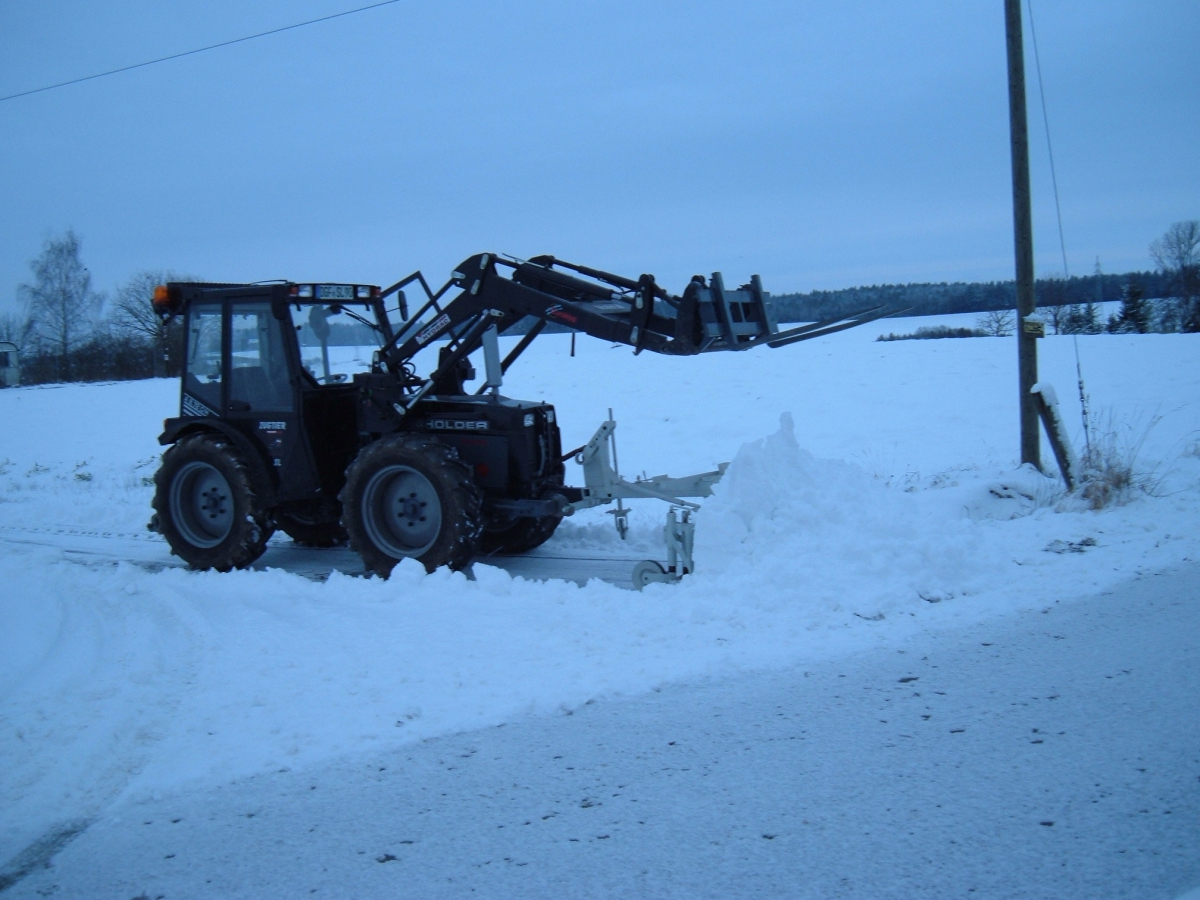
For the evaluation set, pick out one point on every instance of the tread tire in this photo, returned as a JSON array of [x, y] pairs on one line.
[[440, 477], [199, 456]]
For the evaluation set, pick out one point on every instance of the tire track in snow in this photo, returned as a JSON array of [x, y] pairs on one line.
[[150, 551], [102, 670]]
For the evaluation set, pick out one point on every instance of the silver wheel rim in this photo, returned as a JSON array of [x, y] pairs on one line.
[[401, 511], [643, 570], [202, 504]]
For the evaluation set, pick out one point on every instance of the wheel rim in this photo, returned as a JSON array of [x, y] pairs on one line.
[[203, 504], [643, 570], [401, 511]]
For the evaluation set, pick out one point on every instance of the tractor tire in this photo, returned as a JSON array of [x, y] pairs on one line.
[[408, 496], [311, 530], [209, 504], [520, 536]]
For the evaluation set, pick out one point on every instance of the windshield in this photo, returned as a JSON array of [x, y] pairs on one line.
[[336, 339]]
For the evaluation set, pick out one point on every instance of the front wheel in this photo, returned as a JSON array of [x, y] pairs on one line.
[[411, 497], [209, 504]]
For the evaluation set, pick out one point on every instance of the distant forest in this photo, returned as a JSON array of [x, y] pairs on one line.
[[962, 297]]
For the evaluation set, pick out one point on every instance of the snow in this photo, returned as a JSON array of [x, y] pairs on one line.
[[1026, 756], [873, 499]]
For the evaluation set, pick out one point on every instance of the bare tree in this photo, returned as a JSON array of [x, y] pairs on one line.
[[1177, 255], [133, 314], [997, 323], [1052, 300], [14, 328], [60, 300]]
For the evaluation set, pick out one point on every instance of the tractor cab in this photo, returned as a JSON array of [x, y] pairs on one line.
[[251, 347], [271, 368]]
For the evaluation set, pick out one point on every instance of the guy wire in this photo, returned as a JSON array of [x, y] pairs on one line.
[[1062, 243]]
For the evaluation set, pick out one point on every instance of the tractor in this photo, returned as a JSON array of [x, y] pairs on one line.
[[302, 410]]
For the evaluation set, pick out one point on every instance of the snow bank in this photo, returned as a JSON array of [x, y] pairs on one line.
[[782, 517]]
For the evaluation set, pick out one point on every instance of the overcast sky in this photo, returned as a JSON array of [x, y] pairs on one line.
[[820, 144]]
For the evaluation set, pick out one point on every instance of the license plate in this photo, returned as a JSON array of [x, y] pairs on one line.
[[335, 292]]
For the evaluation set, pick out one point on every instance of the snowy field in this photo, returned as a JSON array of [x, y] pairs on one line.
[[874, 499]]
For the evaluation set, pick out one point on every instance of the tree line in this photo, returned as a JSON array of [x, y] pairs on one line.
[[67, 331], [947, 298], [1166, 299]]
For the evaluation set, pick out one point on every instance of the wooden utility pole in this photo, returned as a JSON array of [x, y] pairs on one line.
[[1022, 234]]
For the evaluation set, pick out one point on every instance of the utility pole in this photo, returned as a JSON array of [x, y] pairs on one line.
[[1022, 234]]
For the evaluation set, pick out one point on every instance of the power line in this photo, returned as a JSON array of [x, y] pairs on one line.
[[240, 40], [1049, 148]]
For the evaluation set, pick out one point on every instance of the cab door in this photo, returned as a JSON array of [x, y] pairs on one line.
[[261, 395]]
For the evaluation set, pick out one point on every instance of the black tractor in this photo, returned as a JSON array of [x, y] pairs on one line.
[[301, 408]]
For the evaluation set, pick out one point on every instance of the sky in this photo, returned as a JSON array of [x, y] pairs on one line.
[[820, 145]]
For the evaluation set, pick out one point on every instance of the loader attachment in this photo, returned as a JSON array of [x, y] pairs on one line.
[[522, 296], [603, 484]]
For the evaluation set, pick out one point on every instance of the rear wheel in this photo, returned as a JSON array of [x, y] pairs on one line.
[[209, 504], [411, 497]]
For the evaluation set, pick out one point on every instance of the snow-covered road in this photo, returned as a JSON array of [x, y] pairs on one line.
[[1054, 753]]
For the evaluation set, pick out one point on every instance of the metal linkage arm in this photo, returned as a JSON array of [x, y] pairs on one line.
[[604, 484], [638, 313]]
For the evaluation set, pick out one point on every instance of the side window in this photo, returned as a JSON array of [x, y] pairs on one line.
[[258, 375], [203, 378]]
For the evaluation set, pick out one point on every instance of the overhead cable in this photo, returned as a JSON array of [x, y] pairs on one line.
[[151, 62], [1062, 243]]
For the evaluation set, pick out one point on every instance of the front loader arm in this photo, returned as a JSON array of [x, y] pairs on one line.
[[536, 291], [639, 313]]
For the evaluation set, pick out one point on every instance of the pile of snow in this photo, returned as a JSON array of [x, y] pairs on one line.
[[783, 517], [797, 548], [122, 679]]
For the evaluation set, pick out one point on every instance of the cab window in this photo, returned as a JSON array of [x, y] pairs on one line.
[[203, 376], [258, 372]]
